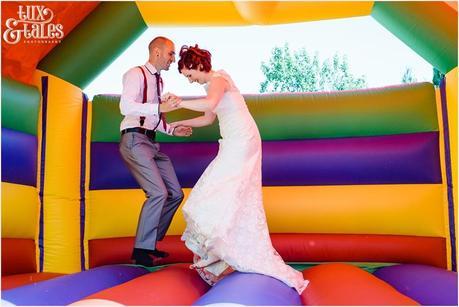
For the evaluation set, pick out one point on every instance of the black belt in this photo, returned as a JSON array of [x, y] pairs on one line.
[[150, 133]]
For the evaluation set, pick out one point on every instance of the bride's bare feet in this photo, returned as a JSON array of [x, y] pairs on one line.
[[202, 263]]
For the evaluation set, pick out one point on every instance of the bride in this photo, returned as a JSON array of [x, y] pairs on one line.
[[226, 223]]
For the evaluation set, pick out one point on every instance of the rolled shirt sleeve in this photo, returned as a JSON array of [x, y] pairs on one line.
[[169, 130], [129, 102]]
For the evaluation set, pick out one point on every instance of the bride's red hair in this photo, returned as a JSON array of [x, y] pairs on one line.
[[194, 58]]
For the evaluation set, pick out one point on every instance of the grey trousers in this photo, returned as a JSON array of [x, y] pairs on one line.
[[155, 174]]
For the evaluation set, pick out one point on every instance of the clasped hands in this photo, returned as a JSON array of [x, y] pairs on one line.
[[171, 102]]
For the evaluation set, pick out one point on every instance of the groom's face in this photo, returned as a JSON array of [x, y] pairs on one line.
[[166, 55]]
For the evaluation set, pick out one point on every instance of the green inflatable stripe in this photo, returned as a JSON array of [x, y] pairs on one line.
[[106, 119], [384, 111], [429, 28], [95, 43], [20, 106], [370, 267]]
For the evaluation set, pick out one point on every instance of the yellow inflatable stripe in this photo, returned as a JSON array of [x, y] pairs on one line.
[[443, 174], [114, 213], [20, 209], [366, 209], [62, 176], [359, 209], [237, 13], [87, 177], [178, 13], [301, 11], [451, 97]]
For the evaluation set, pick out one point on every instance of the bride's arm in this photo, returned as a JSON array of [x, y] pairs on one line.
[[201, 121], [217, 88]]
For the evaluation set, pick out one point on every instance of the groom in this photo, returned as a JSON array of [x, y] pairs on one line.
[[144, 114]]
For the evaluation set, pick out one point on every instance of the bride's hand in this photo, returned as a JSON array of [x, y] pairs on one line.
[[165, 97], [172, 99], [176, 101]]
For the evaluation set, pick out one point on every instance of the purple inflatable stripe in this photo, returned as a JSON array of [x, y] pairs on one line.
[[250, 289], [84, 121], [67, 289], [108, 170], [44, 116], [395, 159], [425, 284], [19, 157]]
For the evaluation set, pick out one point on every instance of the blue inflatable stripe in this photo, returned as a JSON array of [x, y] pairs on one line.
[[396, 159], [67, 289], [19, 157], [250, 289]]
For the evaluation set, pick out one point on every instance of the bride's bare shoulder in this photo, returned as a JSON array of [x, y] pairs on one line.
[[219, 80]]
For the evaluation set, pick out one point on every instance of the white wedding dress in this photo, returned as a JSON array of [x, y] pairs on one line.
[[226, 223]]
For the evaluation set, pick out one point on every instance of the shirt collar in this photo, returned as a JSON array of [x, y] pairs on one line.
[[151, 69]]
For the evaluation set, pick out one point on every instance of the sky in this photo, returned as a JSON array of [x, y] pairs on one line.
[[371, 50]]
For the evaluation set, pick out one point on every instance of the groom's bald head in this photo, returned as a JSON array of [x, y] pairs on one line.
[[159, 42], [162, 52]]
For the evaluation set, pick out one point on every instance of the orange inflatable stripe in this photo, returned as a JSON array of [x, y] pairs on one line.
[[17, 280], [340, 284], [361, 248], [19, 60], [118, 250], [299, 248], [18, 256], [174, 285]]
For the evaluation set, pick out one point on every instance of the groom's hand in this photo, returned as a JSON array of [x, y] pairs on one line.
[[183, 131], [170, 102], [166, 96], [168, 105]]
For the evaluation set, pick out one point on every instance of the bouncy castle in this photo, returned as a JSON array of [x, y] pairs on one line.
[[359, 187]]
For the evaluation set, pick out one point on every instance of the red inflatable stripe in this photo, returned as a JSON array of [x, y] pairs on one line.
[[300, 248]]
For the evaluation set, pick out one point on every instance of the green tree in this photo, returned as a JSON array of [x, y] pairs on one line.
[[408, 76], [437, 76], [297, 71]]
